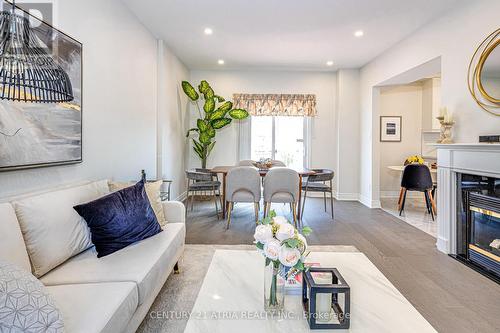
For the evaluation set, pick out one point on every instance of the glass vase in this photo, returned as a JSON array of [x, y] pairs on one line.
[[274, 288]]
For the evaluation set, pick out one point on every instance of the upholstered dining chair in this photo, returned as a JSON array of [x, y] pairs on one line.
[[277, 163], [417, 177], [281, 185], [321, 181], [246, 163], [201, 180], [243, 185]]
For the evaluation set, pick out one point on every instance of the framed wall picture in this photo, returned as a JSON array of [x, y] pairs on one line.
[[43, 134], [390, 128]]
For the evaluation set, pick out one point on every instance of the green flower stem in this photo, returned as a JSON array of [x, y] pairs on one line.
[[273, 299]]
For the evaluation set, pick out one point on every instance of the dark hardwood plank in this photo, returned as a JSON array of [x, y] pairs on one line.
[[452, 297]]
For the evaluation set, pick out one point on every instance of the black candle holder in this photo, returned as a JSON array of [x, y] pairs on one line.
[[310, 289]]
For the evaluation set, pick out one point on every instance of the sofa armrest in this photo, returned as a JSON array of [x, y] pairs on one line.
[[174, 211]]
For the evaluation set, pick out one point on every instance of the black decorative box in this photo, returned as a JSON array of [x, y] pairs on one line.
[[327, 305]]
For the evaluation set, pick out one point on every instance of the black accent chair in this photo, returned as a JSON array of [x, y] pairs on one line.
[[202, 180], [417, 177], [321, 181]]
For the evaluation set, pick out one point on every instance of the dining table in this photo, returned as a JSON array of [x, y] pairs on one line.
[[224, 169], [400, 168]]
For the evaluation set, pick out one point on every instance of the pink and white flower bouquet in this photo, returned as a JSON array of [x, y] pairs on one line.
[[285, 250]]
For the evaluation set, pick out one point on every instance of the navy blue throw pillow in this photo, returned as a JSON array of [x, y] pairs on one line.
[[119, 219]]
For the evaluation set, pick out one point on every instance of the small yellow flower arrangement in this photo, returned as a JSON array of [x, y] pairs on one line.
[[414, 159]]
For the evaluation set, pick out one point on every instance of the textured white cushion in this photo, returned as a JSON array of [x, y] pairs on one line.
[[12, 248], [96, 308], [52, 230], [25, 305], [146, 263], [174, 211]]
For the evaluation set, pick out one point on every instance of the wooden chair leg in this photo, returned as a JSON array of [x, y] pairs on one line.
[[303, 202], [229, 210], [256, 208], [294, 211], [265, 209], [215, 202], [331, 203], [433, 202], [403, 202], [427, 202], [400, 197], [429, 205]]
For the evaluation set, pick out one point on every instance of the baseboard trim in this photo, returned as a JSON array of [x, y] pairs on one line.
[[442, 245], [319, 195], [395, 194], [368, 202], [337, 196], [348, 196]]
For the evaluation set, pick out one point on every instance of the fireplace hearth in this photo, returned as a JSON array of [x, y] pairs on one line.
[[478, 223]]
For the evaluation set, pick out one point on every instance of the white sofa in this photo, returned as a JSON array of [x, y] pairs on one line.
[[108, 294]]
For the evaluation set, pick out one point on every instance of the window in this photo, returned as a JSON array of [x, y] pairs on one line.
[[280, 138]]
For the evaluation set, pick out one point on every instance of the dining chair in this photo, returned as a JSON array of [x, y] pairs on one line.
[[243, 185], [246, 163], [278, 163], [417, 177], [202, 180], [321, 181], [281, 185]]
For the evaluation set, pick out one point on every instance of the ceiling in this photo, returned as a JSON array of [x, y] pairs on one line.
[[284, 34]]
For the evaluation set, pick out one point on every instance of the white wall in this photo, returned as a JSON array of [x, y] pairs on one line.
[[226, 83], [347, 140], [404, 101], [119, 98], [134, 112], [431, 103], [173, 118], [453, 37]]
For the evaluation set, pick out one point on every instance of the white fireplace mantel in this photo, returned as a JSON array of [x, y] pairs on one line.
[[471, 158]]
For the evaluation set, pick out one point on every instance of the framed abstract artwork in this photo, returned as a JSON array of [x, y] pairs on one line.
[[390, 128], [36, 131]]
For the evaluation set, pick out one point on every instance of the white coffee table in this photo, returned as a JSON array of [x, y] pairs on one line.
[[231, 297]]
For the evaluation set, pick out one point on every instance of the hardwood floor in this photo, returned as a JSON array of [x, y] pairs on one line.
[[451, 296]]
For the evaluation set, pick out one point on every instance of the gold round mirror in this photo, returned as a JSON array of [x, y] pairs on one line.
[[484, 74]]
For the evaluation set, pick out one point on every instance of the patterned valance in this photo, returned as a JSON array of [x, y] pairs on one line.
[[276, 104]]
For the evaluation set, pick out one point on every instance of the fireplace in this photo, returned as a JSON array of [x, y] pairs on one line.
[[478, 223]]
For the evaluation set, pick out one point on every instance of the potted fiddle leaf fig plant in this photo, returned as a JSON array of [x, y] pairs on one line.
[[217, 113]]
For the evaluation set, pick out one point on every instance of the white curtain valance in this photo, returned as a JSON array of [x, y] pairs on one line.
[[302, 105]]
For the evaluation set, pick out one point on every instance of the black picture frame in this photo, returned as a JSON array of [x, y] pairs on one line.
[[395, 132], [65, 40]]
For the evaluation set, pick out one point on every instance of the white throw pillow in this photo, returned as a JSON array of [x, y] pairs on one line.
[[153, 192], [52, 230], [12, 247], [25, 306]]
